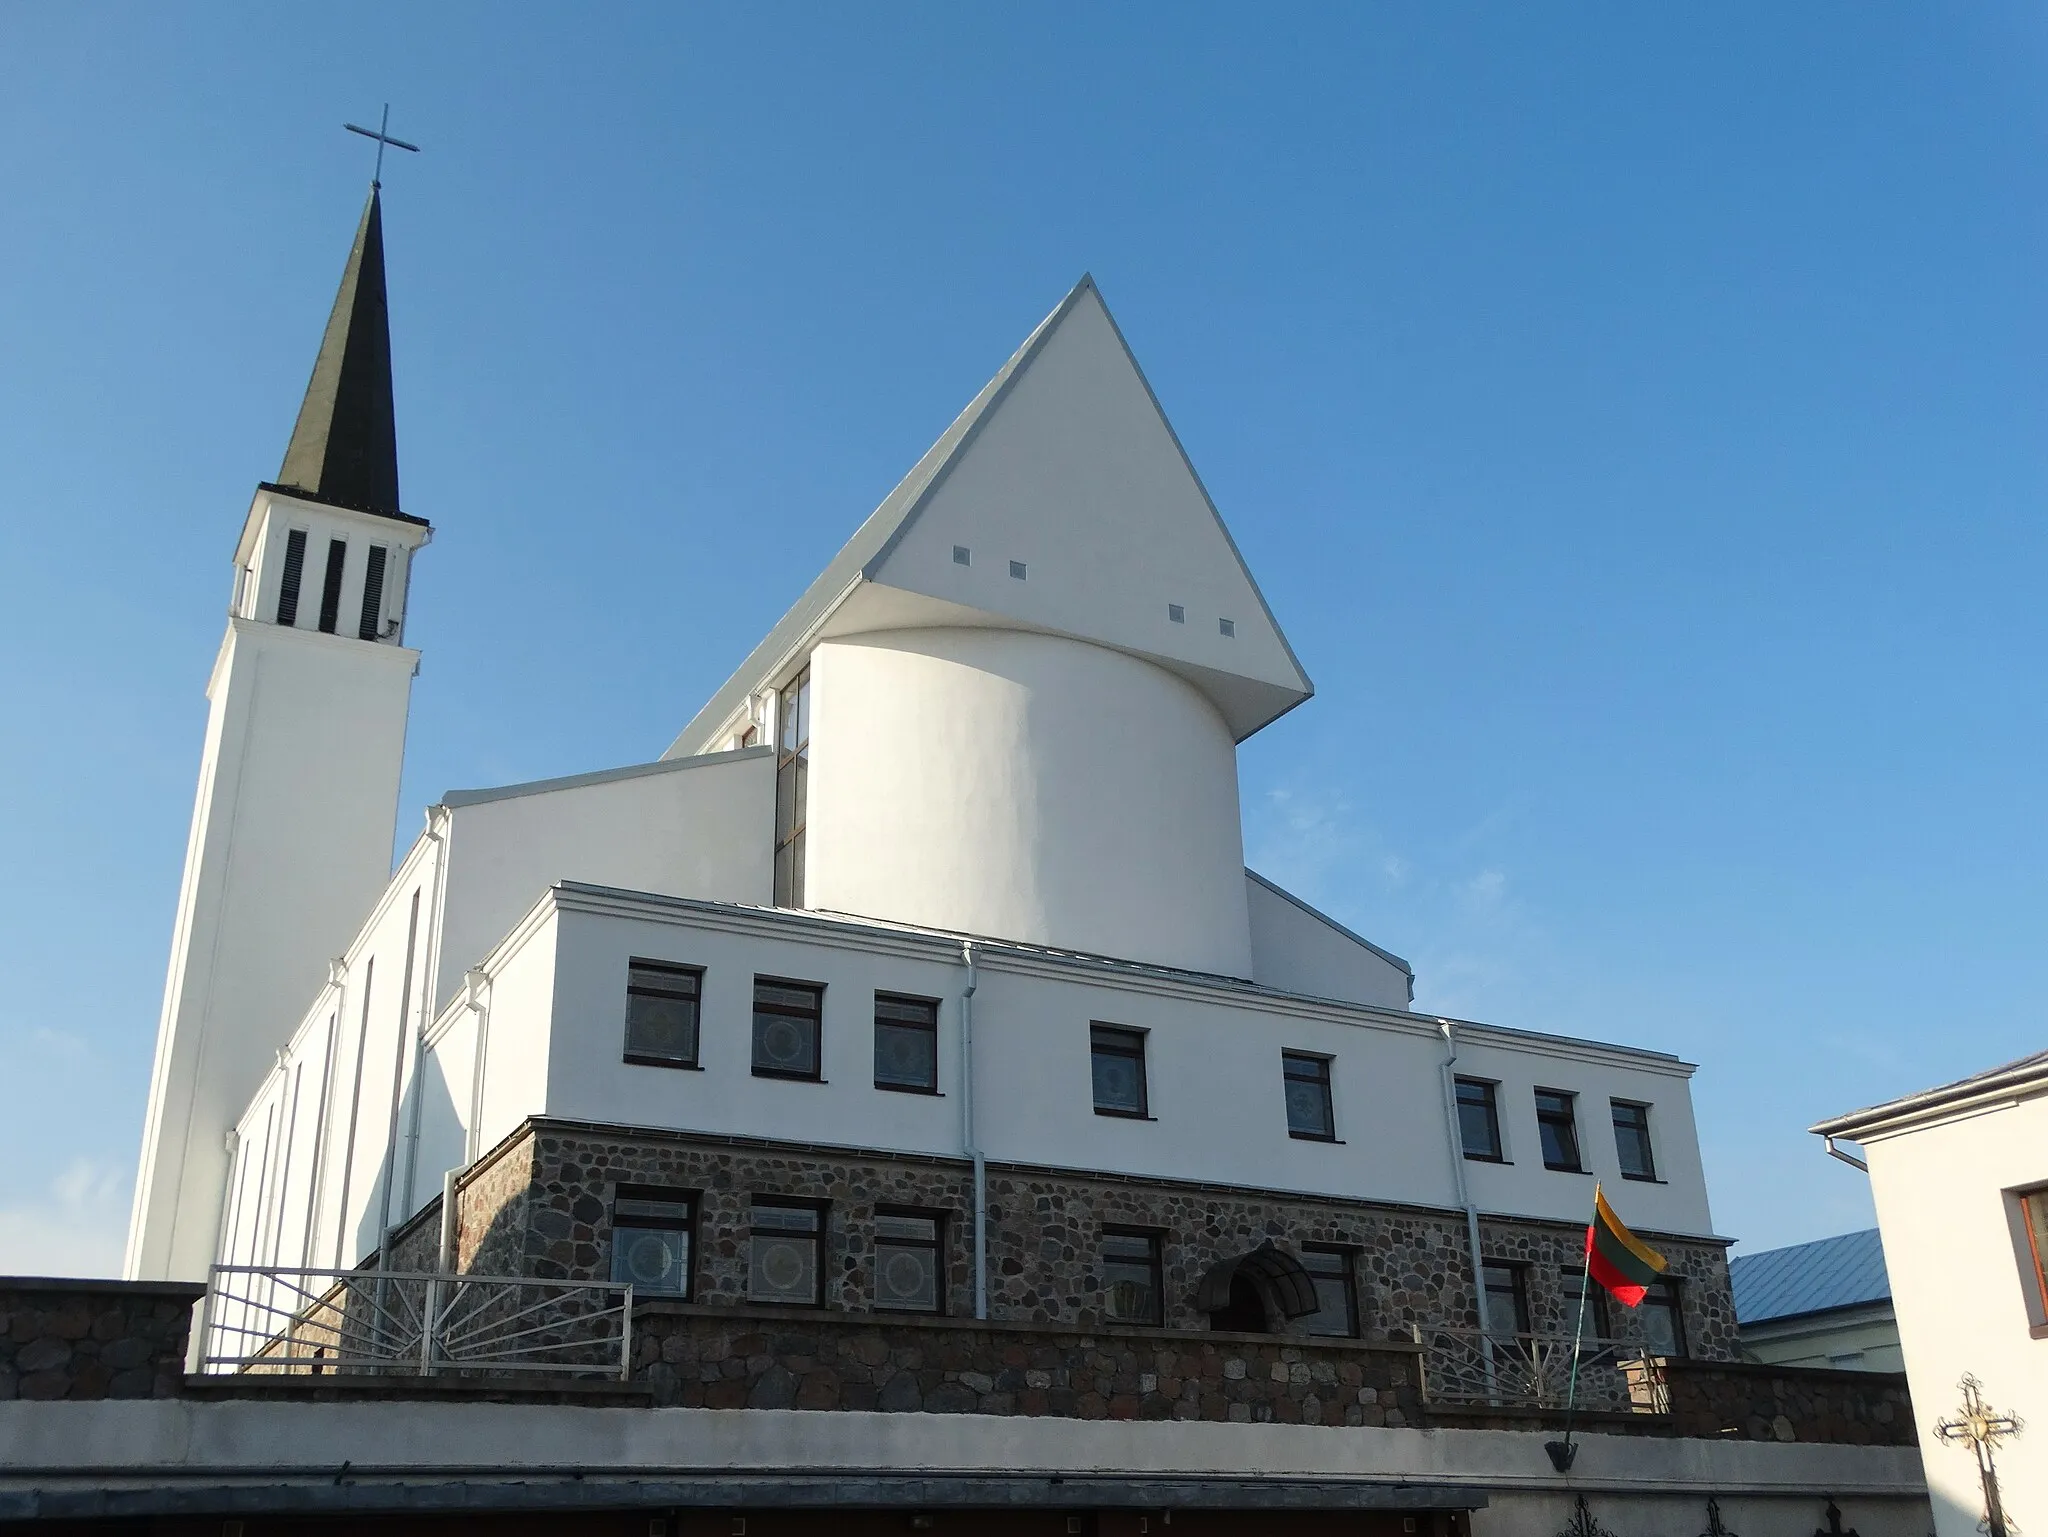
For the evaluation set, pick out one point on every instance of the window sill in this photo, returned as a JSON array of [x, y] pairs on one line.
[[1645, 1179], [1125, 1115], [688, 1067], [910, 1088], [2038, 1332], [762, 1072], [1487, 1158], [1566, 1168], [1316, 1136]]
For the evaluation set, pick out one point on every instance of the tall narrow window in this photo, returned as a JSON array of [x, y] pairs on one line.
[[1117, 1059], [783, 1253], [1663, 1319], [1597, 1325], [792, 786], [787, 1016], [906, 1043], [651, 1239], [373, 594], [1632, 1140], [294, 575], [1130, 1277], [1307, 1082], [661, 1013], [907, 1261], [1336, 1312], [2034, 1257], [1478, 1119], [330, 585], [1507, 1301], [1559, 1127]]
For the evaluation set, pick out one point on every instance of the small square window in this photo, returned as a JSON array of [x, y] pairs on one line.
[[907, 1265], [1632, 1140], [1479, 1119], [960, 555], [786, 1024], [1227, 628], [661, 1013], [1130, 1278], [783, 1247], [1017, 569], [1306, 1080], [906, 1043], [1176, 613], [1118, 1062], [1336, 1311], [651, 1233], [1558, 1125]]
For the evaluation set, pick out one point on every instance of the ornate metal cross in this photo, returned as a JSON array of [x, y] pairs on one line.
[[383, 138], [1983, 1427]]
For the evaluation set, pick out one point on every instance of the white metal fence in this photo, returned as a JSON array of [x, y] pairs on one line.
[[274, 1319], [1534, 1371]]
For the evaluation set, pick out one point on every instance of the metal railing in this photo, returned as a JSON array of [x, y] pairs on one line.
[[1534, 1371], [276, 1319]]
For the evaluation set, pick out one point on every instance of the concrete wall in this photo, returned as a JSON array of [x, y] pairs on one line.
[[1296, 949], [1852, 1339], [1029, 788], [1957, 1263]]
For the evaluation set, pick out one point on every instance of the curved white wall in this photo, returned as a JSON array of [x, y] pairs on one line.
[[1026, 787]]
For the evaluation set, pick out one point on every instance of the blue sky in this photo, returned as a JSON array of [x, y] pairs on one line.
[[1634, 415]]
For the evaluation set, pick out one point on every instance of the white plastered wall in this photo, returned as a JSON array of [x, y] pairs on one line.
[[1297, 950], [1026, 787]]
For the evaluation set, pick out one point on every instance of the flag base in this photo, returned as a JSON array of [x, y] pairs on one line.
[[1562, 1454]]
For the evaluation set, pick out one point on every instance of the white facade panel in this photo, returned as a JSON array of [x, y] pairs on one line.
[[1297, 950]]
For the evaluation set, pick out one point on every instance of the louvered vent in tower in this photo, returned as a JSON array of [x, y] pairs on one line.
[[330, 585], [373, 593], [294, 573]]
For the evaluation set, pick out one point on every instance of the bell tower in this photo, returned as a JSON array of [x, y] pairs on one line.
[[298, 780]]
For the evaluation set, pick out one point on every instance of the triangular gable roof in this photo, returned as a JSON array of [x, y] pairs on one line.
[[1064, 461]]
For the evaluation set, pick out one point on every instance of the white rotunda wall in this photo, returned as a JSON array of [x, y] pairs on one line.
[[1026, 787]]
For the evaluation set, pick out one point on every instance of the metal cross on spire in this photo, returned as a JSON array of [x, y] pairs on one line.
[[1982, 1427], [383, 138]]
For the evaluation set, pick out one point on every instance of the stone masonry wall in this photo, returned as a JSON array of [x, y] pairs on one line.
[[93, 1339], [541, 1206], [1779, 1403], [763, 1359]]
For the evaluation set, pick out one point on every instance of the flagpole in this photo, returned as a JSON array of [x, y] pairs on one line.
[[1561, 1453]]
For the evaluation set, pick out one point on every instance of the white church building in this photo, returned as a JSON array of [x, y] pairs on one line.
[[911, 1038]]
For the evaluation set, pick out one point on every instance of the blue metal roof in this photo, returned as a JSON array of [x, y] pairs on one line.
[[1815, 1277]]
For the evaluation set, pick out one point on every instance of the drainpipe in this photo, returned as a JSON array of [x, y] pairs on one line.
[[968, 1138], [1457, 1147]]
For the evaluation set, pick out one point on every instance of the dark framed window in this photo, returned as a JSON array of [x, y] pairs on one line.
[[906, 1043], [1479, 1119], [1306, 1079], [909, 1277], [1117, 1061], [653, 1233], [1130, 1277], [662, 1002], [792, 789], [1507, 1300], [1336, 1311], [1632, 1140], [1663, 1318], [1599, 1324], [785, 1253], [2034, 1223], [787, 1020], [1557, 1125]]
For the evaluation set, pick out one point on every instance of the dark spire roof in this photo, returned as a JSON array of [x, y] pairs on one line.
[[344, 449]]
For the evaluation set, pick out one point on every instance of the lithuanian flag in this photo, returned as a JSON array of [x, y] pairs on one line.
[[1616, 1258]]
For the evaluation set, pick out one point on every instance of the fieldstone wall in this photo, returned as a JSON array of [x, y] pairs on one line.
[[1790, 1403], [93, 1339], [541, 1205], [774, 1359]]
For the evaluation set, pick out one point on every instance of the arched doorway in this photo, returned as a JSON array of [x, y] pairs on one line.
[[1246, 1293]]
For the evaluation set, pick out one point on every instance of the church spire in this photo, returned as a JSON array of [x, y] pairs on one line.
[[344, 448]]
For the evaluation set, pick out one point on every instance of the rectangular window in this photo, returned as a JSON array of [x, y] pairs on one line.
[[1478, 1119], [2034, 1219], [651, 1233], [1130, 1278], [1119, 1068], [373, 595], [783, 1253], [1632, 1140], [330, 585], [1558, 1125], [661, 1013], [1306, 1079], [906, 1043], [294, 576], [1597, 1323], [1507, 1301], [787, 1016], [792, 790], [1336, 1311], [907, 1268], [1663, 1319]]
